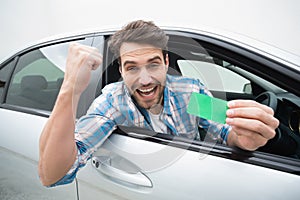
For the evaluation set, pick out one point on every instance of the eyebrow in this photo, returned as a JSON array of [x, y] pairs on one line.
[[155, 58], [150, 60], [128, 62]]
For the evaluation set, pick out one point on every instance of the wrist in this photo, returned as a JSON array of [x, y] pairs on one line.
[[68, 97], [69, 89], [231, 138]]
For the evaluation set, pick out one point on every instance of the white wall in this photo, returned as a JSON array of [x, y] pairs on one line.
[[25, 21]]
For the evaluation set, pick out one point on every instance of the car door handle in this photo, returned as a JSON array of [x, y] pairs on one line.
[[103, 165]]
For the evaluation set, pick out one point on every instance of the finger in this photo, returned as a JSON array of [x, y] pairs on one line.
[[85, 53], [247, 133], [85, 56], [94, 61], [252, 125], [249, 103], [243, 132], [81, 59], [253, 113], [81, 47], [248, 140]]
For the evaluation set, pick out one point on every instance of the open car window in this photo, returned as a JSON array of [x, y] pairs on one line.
[[229, 75]]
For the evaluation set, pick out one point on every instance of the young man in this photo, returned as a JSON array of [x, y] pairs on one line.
[[147, 97]]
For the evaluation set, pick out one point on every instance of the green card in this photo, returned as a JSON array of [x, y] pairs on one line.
[[207, 107]]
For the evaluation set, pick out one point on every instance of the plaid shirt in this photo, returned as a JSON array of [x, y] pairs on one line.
[[116, 107]]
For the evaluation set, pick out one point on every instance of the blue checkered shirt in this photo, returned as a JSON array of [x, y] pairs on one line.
[[116, 107]]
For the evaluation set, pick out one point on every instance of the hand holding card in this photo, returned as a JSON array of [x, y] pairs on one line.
[[207, 107]]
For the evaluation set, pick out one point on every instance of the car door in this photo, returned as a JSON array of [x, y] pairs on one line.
[[135, 163], [30, 82]]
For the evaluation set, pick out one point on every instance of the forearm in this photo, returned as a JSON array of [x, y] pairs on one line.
[[57, 145]]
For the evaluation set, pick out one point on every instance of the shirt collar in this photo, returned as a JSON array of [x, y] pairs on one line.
[[167, 101]]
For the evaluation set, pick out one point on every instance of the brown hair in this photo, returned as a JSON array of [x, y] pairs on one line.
[[143, 32]]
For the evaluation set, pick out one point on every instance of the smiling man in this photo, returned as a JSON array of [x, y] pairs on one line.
[[144, 69], [147, 97]]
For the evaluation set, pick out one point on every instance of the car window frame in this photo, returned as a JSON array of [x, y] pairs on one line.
[[15, 57], [244, 59], [257, 158], [13, 62]]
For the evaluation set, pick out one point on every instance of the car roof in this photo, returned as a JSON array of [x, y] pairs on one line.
[[259, 47], [246, 42]]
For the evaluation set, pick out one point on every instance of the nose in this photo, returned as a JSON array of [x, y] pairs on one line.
[[145, 77]]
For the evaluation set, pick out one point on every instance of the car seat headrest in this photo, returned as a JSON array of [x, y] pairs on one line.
[[34, 82]]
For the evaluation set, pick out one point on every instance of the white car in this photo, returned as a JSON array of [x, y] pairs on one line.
[[139, 164]]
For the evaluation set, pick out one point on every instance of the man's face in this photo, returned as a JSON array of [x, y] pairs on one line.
[[144, 70]]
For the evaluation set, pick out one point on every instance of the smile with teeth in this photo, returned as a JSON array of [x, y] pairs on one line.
[[147, 91]]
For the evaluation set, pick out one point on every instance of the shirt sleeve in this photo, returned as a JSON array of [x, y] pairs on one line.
[[217, 132]]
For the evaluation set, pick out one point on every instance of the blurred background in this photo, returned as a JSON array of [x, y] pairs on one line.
[[24, 22]]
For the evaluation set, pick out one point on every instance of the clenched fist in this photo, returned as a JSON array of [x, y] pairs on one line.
[[81, 61]]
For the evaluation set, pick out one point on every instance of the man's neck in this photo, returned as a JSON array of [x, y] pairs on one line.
[[156, 109]]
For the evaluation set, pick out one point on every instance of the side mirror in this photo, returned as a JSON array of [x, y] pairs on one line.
[[247, 88]]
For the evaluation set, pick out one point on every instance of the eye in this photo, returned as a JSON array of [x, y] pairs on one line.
[[132, 68], [154, 65]]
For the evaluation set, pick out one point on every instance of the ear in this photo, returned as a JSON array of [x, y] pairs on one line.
[[167, 61], [120, 70]]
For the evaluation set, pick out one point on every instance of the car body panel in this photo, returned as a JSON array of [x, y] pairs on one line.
[[19, 179], [190, 174]]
